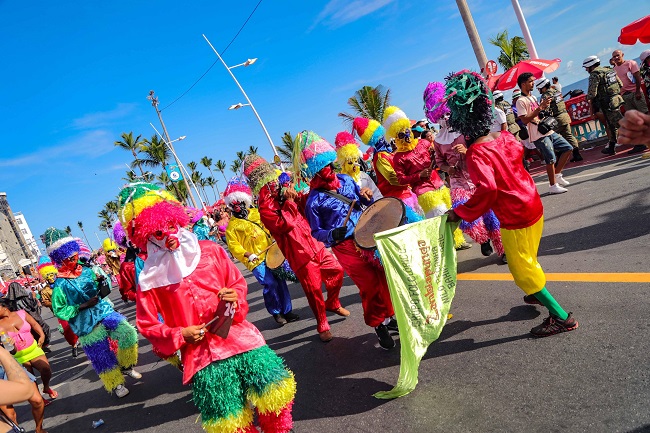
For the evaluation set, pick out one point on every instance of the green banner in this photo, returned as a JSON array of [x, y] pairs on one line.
[[420, 264]]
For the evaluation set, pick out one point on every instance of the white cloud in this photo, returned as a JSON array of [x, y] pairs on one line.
[[338, 13], [103, 118]]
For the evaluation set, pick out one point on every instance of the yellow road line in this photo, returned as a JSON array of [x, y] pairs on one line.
[[590, 277]]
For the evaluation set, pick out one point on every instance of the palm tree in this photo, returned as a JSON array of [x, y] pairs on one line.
[[212, 182], [235, 166], [112, 207], [134, 145], [369, 102], [252, 150], [192, 166], [106, 221], [221, 166], [286, 149], [81, 227], [130, 177], [105, 226], [68, 230], [157, 154], [513, 50], [207, 163], [198, 181]]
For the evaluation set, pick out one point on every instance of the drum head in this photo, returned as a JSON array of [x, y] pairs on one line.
[[274, 257], [386, 213]]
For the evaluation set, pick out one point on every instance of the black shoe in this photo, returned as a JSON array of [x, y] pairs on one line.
[[504, 259], [638, 148], [392, 325], [279, 319], [609, 149], [531, 300], [486, 248], [554, 325], [46, 349], [75, 351], [291, 317], [576, 155], [385, 340]]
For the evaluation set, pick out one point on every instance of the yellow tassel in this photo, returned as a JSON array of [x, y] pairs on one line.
[[276, 396], [111, 379], [459, 239], [231, 424], [127, 357]]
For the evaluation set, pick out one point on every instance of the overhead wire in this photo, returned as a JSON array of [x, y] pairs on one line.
[[215, 62]]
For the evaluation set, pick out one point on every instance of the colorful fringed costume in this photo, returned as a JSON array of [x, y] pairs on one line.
[[372, 133], [309, 259], [348, 155], [183, 280], [248, 240], [412, 157], [486, 227], [107, 338], [326, 215], [49, 273], [503, 185]]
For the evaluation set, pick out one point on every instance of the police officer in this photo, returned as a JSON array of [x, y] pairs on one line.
[[505, 106], [558, 110], [605, 89]]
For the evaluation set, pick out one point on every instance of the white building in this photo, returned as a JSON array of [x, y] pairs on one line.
[[27, 234]]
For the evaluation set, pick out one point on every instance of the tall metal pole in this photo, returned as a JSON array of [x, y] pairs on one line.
[[472, 33], [524, 29], [154, 102], [275, 151]]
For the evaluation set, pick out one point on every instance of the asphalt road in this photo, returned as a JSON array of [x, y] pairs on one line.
[[484, 374]]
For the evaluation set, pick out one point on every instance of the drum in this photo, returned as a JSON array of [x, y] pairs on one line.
[[277, 264], [384, 214]]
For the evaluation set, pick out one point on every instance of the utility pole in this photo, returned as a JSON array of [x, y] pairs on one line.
[[524, 29], [472, 33], [154, 102]]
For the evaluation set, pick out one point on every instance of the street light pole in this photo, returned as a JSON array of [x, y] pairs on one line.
[[275, 151], [524, 30], [472, 33], [154, 102]]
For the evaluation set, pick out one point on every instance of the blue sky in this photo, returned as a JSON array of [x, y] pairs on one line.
[[76, 75]]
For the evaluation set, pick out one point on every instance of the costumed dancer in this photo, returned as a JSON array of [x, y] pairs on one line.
[[309, 259], [126, 278], [248, 240], [326, 210], [49, 273], [107, 338], [348, 156], [502, 184], [112, 255], [450, 152], [413, 166], [199, 226], [186, 281], [371, 134]]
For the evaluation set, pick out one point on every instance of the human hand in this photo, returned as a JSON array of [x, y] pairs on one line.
[[546, 102], [451, 170], [253, 258], [366, 193], [41, 341], [452, 217], [290, 193], [425, 174], [228, 295], [193, 334], [634, 128], [460, 148], [89, 303], [338, 234]]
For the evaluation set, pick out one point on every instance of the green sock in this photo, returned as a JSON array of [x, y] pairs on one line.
[[551, 304]]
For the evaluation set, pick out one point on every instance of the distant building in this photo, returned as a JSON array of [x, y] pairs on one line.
[[27, 234], [15, 252]]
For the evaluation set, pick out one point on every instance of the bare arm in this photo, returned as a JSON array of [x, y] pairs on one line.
[[17, 388]]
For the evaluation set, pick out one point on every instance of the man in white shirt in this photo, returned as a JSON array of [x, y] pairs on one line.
[[499, 121], [556, 84], [549, 144]]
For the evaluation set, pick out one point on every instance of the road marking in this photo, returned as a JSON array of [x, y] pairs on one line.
[[590, 277], [591, 174]]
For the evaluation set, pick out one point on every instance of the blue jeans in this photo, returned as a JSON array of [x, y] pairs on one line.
[[551, 145], [275, 291]]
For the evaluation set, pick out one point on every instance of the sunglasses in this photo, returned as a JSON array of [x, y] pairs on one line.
[[404, 134]]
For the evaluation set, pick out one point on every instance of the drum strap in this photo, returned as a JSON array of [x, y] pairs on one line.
[[336, 195], [261, 228]]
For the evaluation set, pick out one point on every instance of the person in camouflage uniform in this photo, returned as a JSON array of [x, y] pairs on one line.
[[511, 119], [604, 89], [558, 110]]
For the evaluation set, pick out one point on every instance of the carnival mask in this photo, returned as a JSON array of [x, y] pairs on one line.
[[69, 264], [405, 135], [239, 209], [167, 237], [51, 277]]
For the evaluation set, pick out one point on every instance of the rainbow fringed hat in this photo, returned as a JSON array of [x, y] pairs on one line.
[[59, 245], [311, 153], [45, 266], [370, 131], [144, 208], [258, 172], [84, 250], [238, 190], [395, 121]]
